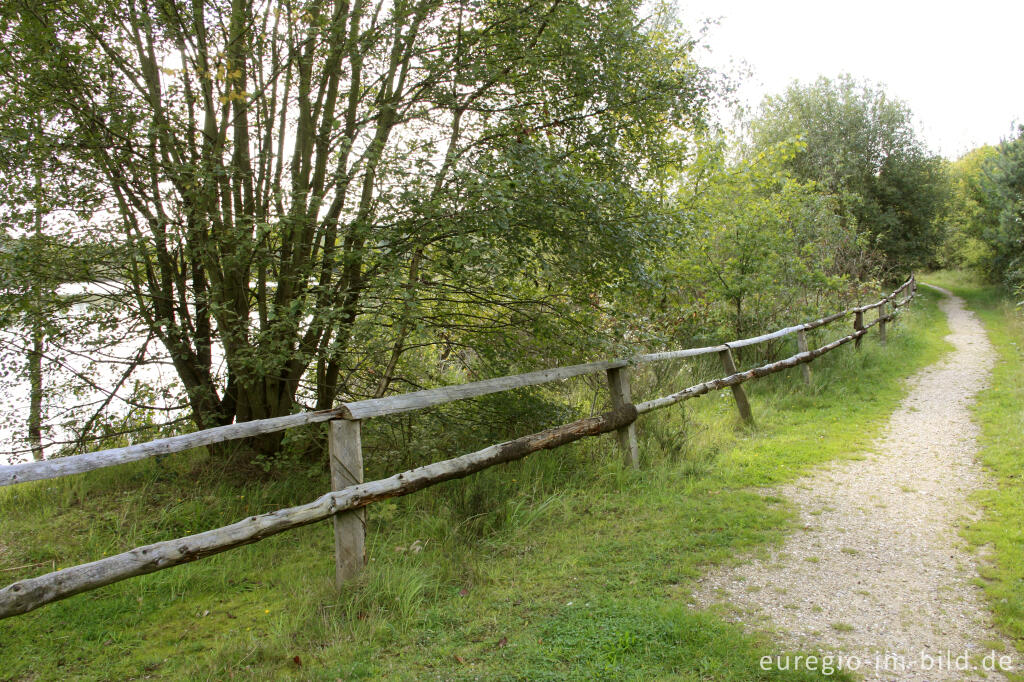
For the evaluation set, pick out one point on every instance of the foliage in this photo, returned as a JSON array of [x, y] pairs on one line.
[[1005, 193], [969, 214], [986, 232], [311, 193], [757, 248], [40, 252], [71, 345], [861, 146], [1002, 232]]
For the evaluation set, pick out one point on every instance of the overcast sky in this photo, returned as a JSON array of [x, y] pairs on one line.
[[958, 65]]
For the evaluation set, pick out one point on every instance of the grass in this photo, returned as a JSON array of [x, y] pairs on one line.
[[562, 566], [999, 534]]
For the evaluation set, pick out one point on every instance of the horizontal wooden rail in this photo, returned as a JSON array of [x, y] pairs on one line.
[[820, 322], [677, 354], [764, 337], [77, 464], [869, 306], [741, 377], [30, 594], [405, 402], [365, 409], [886, 299]]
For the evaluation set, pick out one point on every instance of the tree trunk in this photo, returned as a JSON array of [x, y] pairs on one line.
[[35, 374], [35, 356]]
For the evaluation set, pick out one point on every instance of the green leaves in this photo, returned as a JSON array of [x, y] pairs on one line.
[[987, 219], [861, 146], [332, 198], [758, 248]]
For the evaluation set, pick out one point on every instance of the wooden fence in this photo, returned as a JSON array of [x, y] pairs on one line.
[[350, 495]]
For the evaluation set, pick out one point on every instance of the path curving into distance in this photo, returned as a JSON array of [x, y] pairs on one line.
[[877, 573]]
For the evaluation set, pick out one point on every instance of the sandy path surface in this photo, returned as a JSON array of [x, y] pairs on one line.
[[878, 574]]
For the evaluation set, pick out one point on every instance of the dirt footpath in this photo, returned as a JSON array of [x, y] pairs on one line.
[[878, 576]]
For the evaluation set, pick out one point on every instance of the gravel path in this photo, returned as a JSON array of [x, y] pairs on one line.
[[878, 575]]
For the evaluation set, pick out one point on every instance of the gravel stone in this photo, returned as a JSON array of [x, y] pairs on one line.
[[877, 566]]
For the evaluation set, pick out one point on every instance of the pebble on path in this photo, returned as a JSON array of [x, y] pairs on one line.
[[877, 572]]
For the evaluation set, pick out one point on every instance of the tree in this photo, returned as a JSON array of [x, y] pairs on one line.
[[302, 190], [970, 212], [861, 146], [46, 196], [997, 213], [32, 266], [756, 248]]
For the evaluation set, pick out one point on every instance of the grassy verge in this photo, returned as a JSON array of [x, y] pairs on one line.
[[560, 566], [1000, 533]]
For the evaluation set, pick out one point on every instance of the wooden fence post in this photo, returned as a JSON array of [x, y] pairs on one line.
[[742, 404], [346, 454], [881, 322], [618, 384], [801, 346], [858, 324]]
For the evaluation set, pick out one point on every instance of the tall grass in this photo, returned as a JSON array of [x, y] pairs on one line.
[[563, 565]]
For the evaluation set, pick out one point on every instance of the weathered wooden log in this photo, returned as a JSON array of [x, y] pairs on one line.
[[76, 464], [738, 394], [621, 394], [739, 378], [29, 594], [825, 320], [801, 347], [405, 402], [869, 306], [675, 354], [742, 343], [345, 450], [858, 325]]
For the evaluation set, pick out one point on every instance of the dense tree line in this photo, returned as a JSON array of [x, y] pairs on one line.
[[985, 231], [292, 204], [862, 148]]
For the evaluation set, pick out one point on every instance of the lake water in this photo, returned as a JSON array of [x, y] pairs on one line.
[[79, 378]]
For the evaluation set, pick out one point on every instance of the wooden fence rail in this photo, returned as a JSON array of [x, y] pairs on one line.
[[377, 407], [347, 502]]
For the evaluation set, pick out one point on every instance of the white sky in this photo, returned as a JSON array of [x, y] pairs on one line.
[[958, 65]]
